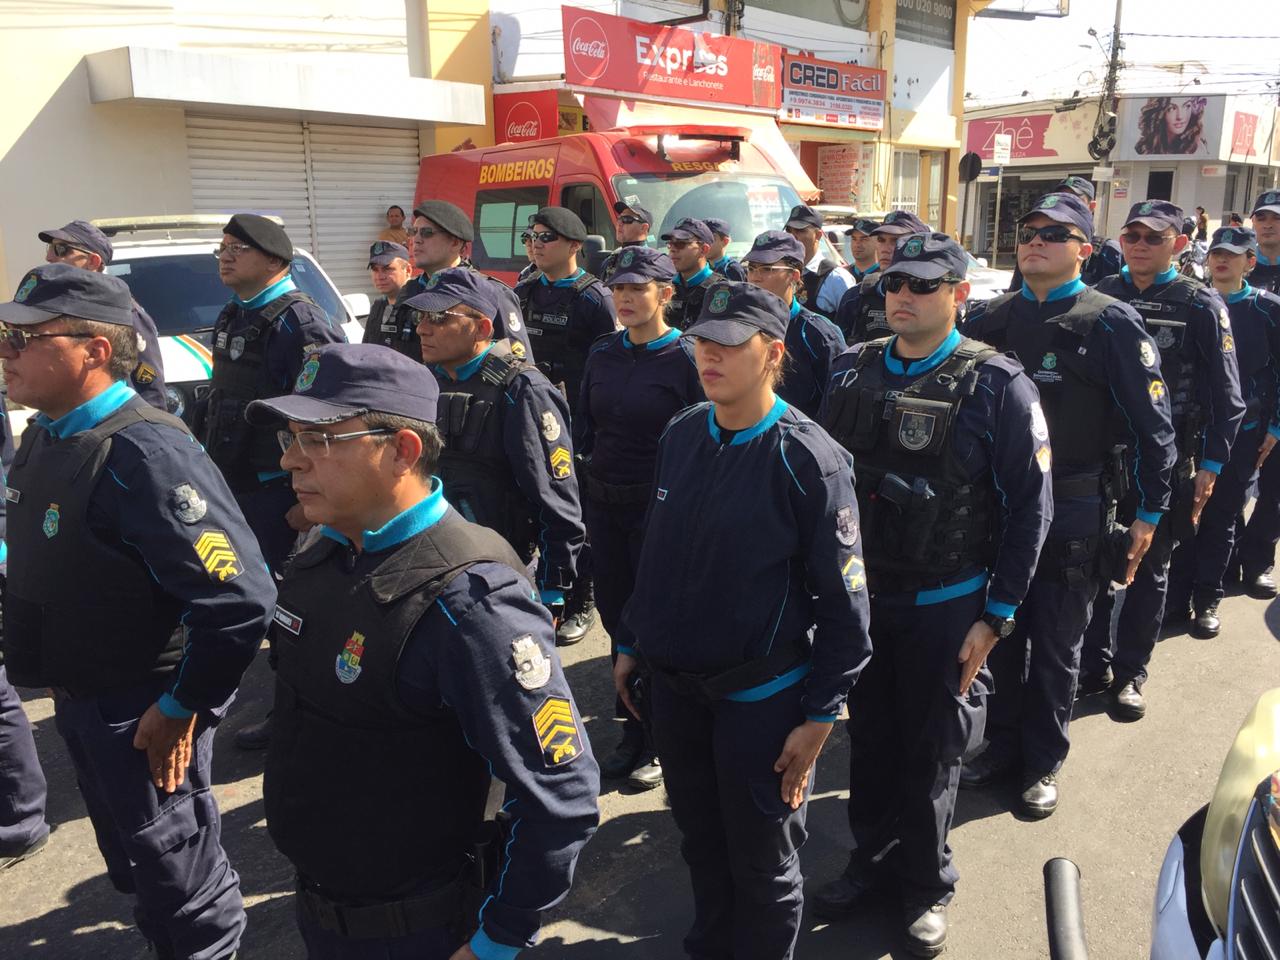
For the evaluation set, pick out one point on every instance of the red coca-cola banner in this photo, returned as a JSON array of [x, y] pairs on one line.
[[525, 116], [614, 53]]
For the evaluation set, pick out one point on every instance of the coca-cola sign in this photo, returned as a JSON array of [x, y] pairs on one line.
[[588, 47], [524, 116]]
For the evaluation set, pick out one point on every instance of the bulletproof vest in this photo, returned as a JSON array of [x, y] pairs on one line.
[[923, 517], [477, 475], [1265, 277], [1075, 395], [380, 326], [560, 344], [80, 612], [811, 283], [871, 321], [1166, 314], [339, 728], [1105, 261], [682, 309], [240, 376]]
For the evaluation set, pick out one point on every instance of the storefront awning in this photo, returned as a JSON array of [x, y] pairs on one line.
[[613, 113]]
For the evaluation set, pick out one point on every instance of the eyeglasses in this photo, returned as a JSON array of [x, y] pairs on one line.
[[426, 233], [628, 218], [1134, 237], [231, 250], [315, 445], [18, 339], [439, 318], [1053, 233], [546, 236], [526, 237], [917, 285], [680, 244], [765, 267], [61, 249]]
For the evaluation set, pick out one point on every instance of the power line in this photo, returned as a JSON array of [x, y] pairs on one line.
[[1199, 36]]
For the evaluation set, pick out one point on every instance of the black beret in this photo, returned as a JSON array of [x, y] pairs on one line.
[[262, 234], [562, 220], [447, 217]]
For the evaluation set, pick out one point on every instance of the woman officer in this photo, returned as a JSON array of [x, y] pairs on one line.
[[750, 609], [635, 381]]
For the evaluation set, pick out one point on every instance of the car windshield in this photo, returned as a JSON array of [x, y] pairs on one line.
[[749, 203], [183, 294]]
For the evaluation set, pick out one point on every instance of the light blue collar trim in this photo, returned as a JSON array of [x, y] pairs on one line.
[[278, 289], [916, 367], [1240, 294], [671, 336], [1164, 276], [1264, 262], [421, 516], [861, 274], [90, 413], [1072, 288], [795, 307], [468, 369], [750, 433], [721, 264], [563, 281], [697, 280]]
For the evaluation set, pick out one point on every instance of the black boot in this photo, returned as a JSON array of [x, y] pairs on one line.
[[627, 755], [926, 930], [847, 893], [579, 614], [1206, 625], [1261, 586]]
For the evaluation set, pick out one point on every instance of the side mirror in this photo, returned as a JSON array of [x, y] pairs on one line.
[[357, 304], [593, 253]]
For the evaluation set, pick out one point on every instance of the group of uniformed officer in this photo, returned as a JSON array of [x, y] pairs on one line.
[[778, 523]]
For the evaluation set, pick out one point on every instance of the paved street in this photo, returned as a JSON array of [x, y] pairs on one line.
[[1126, 789]]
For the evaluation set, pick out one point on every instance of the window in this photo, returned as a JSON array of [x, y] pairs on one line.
[[906, 180], [1159, 185], [501, 216], [935, 161], [590, 206]]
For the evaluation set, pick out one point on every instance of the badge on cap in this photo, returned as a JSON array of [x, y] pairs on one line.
[[913, 247], [628, 257], [24, 291], [533, 669], [1051, 200], [187, 504], [719, 301], [761, 240], [307, 375], [52, 517], [347, 665], [1146, 207]]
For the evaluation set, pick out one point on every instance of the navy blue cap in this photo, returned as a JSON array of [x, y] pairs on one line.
[[1156, 214], [803, 216], [343, 380], [928, 256], [733, 313], [637, 264], [61, 290], [449, 217], [261, 233], [1234, 239], [1064, 208], [452, 286], [562, 220], [1270, 201], [382, 252], [1082, 187], [862, 225], [82, 235], [719, 227], [772, 245], [690, 229], [899, 223], [622, 206]]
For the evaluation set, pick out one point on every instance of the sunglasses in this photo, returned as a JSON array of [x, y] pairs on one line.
[[231, 250], [628, 218], [766, 267], [916, 285], [1054, 233], [18, 339], [546, 236], [315, 444], [439, 318], [426, 233], [526, 237], [61, 248], [1135, 237], [680, 244]]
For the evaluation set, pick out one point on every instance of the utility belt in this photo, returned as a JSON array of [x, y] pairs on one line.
[[1074, 561], [616, 494], [743, 677], [892, 584]]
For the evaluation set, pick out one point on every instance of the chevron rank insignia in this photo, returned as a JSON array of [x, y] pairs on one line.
[[557, 732], [217, 556], [561, 462]]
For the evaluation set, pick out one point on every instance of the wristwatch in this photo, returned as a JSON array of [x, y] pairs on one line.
[[1002, 626]]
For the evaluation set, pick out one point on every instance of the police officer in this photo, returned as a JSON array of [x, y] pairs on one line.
[[862, 248], [508, 456], [530, 270], [137, 593], [861, 315], [635, 382], [634, 224], [441, 235], [1266, 224], [1192, 333], [409, 643], [1094, 364], [689, 245], [1255, 331], [825, 281], [83, 245], [1106, 258], [955, 500], [390, 268], [750, 608], [775, 262], [717, 259]]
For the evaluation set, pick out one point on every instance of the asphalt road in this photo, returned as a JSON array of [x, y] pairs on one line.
[[1125, 789]]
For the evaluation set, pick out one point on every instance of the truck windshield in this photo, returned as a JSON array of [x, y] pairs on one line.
[[183, 294], [750, 203]]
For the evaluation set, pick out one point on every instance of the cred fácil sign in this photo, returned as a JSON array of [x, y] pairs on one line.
[[824, 93]]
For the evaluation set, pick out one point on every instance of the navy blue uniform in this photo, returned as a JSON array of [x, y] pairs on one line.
[[684, 307], [861, 315], [1103, 371], [1266, 275], [148, 376], [813, 344], [909, 726], [1107, 259], [730, 269], [166, 848], [1256, 546], [751, 563], [399, 328], [860, 275]]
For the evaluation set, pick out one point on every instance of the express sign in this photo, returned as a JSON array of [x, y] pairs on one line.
[[832, 94], [629, 56]]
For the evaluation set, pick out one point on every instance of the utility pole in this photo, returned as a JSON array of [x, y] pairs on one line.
[[1104, 135]]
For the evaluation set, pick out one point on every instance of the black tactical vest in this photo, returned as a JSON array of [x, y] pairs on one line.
[[478, 479], [682, 309], [366, 798], [1075, 395], [240, 376], [811, 284], [871, 320], [380, 326], [923, 517], [79, 612], [1166, 314], [560, 344]]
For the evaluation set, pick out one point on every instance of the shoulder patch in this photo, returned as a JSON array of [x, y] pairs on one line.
[[561, 462], [533, 669], [187, 504], [846, 526], [854, 574], [217, 556], [557, 732], [550, 425], [1039, 425]]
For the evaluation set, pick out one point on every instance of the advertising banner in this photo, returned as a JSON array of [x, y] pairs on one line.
[[1171, 128], [1037, 137], [824, 93], [629, 56], [843, 170], [525, 116]]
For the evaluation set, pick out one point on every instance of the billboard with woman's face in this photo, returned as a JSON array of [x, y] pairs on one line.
[[1172, 127]]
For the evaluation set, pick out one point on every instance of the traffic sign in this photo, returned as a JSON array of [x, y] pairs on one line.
[[1002, 144], [1104, 173]]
